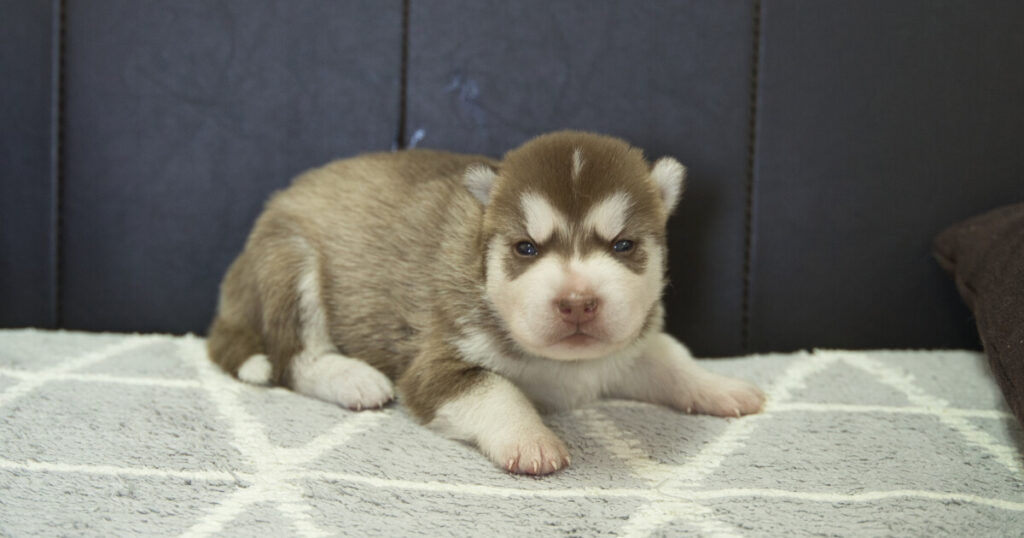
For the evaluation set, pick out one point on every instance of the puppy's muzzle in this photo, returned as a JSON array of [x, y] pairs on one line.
[[577, 309]]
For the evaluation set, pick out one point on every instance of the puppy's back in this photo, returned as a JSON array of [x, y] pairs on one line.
[[381, 231]]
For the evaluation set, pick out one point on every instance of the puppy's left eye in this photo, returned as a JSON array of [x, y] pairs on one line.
[[526, 248], [623, 245]]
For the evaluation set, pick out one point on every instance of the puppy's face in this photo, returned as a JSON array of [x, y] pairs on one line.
[[575, 242]]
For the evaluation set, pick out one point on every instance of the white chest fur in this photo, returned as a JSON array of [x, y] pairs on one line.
[[551, 384]]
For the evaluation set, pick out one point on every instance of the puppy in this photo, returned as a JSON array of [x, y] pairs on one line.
[[484, 291]]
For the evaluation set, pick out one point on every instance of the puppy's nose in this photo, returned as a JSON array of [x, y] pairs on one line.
[[577, 308]]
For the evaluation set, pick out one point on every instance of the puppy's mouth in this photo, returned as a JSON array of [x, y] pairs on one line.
[[578, 340], [577, 336], [569, 341]]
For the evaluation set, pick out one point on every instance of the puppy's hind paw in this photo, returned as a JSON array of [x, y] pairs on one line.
[[363, 387], [343, 380]]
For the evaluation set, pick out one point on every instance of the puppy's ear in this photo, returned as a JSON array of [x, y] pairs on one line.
[[478, 179], [669, 176]]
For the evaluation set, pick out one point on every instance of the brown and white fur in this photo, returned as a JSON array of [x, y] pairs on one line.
[[483, 290]]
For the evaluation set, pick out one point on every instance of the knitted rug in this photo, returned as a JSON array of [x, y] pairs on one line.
[[114, 435]]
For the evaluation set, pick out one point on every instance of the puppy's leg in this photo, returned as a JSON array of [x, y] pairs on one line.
[[295, 328], [667, 374], [504, 425], [471, 404]]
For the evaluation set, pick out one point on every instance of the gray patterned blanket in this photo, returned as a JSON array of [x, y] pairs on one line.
[[114, 435]]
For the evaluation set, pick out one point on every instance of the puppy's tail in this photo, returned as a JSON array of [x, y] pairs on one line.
[[232, 345]]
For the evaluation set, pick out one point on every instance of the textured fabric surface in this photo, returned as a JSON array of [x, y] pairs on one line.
[[107, 434], [985, 254]]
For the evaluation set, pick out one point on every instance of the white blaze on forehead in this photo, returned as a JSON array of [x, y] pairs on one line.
[[577, 163], [608, 217], [540, 217]]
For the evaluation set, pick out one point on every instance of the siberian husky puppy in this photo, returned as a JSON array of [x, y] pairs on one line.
[[484, 291]]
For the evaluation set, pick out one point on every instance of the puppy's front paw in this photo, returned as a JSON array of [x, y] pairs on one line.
[[722, 396], [537, 452]]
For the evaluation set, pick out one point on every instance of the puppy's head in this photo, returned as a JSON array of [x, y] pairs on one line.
[[574, 230]]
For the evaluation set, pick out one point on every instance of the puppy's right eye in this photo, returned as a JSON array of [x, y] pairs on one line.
[[526, 248]]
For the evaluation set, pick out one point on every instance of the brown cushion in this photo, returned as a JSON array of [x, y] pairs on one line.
[[985, 254]]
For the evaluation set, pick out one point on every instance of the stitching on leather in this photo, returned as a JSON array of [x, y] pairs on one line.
[[403, 79], [58, 56], [748, 212]]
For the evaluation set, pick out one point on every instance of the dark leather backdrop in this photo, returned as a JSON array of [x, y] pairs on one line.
[[827, 142]]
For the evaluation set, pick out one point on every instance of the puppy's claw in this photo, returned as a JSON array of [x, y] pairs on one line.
[[537, 452], [722, 396]]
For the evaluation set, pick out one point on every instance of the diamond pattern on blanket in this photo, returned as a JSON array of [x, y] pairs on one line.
[[262, 519], [76, 504], [142, 435], [972, 389], [1004, 430], [33, 350], [163, 363], [401, 449], [893, 515], [289, 429], [465, 513], [93, 423], [595, 442], [842, 383], [855, 452], [761, 370], [645, 426]]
